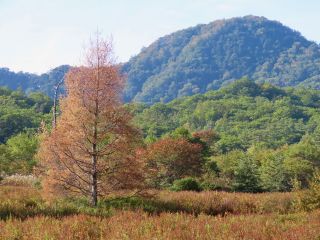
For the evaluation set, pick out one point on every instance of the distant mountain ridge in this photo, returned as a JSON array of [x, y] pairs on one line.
[[209, 56], [30, 82], [206, 57]]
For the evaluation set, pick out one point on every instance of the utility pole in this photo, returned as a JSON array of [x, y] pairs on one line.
[[55, 99]]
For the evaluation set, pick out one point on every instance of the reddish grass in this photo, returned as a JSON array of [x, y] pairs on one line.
[[214, 203], [12, 193], [240, 216], [138, 225]]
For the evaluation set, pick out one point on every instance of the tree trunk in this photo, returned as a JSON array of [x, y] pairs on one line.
[[94, 187]]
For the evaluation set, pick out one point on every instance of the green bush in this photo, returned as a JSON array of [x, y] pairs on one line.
[[216, 184], [310, 199], [186, 184]]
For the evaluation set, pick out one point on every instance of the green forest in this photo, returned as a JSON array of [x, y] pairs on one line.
[[259, 133], [244, 114], [253, 137]]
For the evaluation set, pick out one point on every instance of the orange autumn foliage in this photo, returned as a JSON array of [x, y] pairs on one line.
[[91, 151], [206, 136], [169, 159]]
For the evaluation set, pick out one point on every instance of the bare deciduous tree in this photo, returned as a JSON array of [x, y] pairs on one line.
[[91, 151]]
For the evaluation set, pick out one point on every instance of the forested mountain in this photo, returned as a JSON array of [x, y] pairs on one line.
[[206, 57], [243, 114], [29, 82], [203, 58]]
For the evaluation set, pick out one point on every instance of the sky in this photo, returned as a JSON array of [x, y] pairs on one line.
[[38, 35]]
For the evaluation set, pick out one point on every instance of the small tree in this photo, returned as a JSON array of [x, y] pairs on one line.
[[246, 177], [171, 159], [91, 151], [21, 149], [272, 173]]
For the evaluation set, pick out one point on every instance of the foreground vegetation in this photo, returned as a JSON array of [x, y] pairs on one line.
[[25, 214], [137, 225], [22, 202]]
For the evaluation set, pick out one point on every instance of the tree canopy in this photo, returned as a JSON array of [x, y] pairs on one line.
[[242, 114]]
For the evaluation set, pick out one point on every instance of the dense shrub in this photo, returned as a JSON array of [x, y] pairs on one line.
[[186, 184]]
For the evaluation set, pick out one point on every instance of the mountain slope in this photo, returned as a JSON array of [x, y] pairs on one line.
[[29, 82], [207, 57]]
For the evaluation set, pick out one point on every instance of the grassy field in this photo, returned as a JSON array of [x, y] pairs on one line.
[[169, 215], [139, 225]]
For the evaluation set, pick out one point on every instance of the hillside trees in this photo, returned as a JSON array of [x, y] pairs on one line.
[[243, 114], [92, 149], [19, 112], [209, 56]]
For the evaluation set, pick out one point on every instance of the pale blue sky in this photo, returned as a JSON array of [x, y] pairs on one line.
[[37, 35]]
